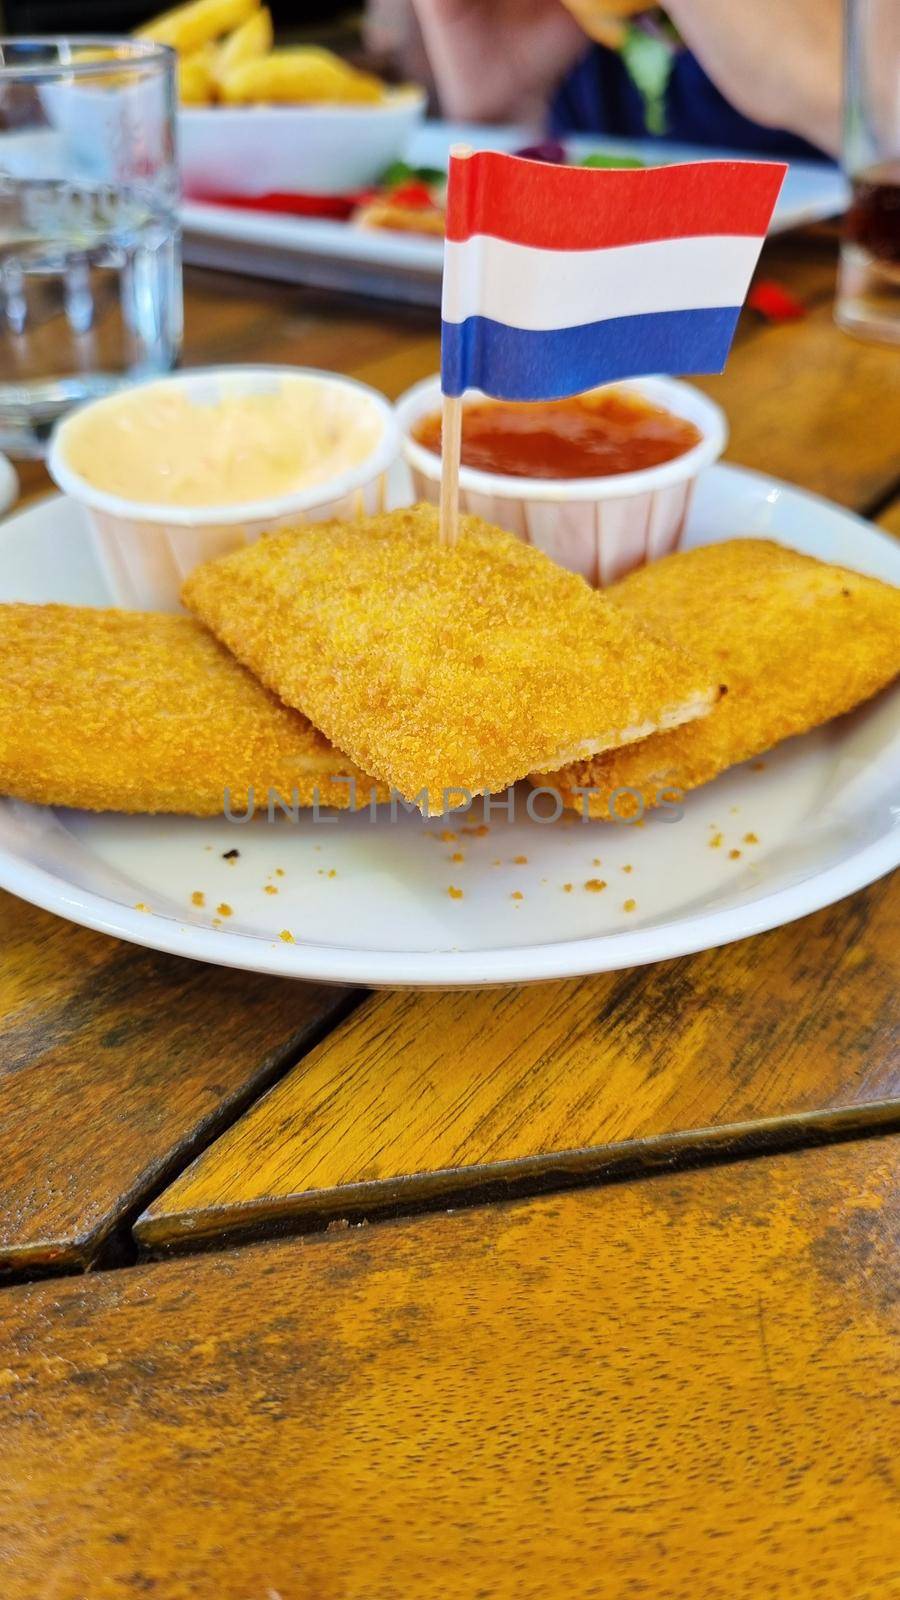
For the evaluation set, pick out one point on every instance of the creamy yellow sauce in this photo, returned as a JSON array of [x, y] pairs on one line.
[[159, 446]]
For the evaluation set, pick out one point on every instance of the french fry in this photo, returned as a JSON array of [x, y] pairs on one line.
[[191, 26], [252, 39], [299, 76], [196, 77], [604, 20]]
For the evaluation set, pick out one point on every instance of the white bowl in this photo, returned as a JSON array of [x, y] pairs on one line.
[[249, 151], [599, 527], [146, 551]]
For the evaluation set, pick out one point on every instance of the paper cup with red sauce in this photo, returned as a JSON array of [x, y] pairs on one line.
[[602, 482]]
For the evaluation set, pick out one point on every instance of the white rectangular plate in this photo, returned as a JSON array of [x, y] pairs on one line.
[[397, 266]]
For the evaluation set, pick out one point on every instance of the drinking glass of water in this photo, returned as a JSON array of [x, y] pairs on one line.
[[90, 267], [868, 299]]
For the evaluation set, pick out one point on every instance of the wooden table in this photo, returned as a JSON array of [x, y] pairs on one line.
[[247, 1352]]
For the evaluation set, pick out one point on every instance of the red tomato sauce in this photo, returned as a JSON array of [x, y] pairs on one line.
[[589, 436]]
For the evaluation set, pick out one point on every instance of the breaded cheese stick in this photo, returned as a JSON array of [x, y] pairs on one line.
[[127, 711], [442, 669], [792, 640]]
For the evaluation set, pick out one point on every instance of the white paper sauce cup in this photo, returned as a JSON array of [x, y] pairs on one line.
[[599, 527], [146, 551]]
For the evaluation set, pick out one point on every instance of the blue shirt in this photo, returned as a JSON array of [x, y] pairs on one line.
[[598, 96]]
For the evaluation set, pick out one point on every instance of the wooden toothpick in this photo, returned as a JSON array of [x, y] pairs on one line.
[[451, 434], [451, 444]]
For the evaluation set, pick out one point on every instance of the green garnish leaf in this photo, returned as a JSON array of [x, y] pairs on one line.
[[649, 62]]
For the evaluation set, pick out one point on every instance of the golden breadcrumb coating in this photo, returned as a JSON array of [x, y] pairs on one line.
[[793, 640], [442, 669], [126, 711]]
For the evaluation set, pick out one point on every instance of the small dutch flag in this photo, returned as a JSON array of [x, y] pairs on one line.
[[557, 279]]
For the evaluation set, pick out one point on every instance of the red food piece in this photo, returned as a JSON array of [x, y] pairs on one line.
[[414, 195], [336, 206], [774, 302]]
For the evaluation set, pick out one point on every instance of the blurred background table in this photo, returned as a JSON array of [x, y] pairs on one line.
[[669, 1375]]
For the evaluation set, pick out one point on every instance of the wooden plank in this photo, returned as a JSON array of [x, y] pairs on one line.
[[771, 1040], [116, 1065], [808, 403], [685, 1386]]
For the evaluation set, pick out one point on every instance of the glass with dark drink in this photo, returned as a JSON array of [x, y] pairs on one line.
[[868, 300]]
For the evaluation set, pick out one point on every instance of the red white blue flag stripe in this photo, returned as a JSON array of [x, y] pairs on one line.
[[560, 278]]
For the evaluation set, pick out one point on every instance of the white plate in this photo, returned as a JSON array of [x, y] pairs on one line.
[[336, 255], [367, 902], [9, 483]]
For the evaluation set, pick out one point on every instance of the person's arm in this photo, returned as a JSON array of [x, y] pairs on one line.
[[498, 60], [777, 61]]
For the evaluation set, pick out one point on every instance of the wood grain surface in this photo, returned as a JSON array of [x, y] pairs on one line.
[[115, 1065], [686, 1386], [785, 1036], [808, 403]]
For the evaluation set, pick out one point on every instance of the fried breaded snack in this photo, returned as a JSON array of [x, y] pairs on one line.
[[388, 215], [793, 641], [127, 711], [442, 669]]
